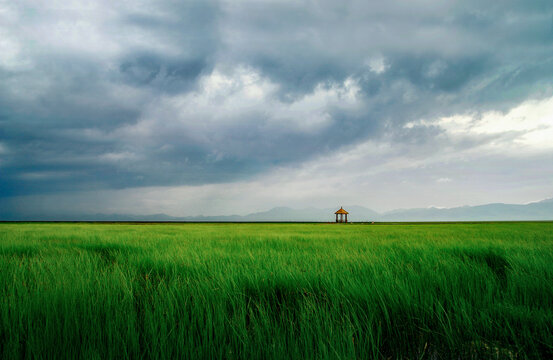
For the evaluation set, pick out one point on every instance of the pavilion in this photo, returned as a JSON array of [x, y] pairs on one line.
[[341, 215]]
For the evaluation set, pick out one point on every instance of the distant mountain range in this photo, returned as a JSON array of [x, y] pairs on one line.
[[542, 210]]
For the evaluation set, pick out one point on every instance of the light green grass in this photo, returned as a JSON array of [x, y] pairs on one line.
[[268, 291]]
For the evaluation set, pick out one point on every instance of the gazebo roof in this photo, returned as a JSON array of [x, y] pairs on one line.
[[341, 211]]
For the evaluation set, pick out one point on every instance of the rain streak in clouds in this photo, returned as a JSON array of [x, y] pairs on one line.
[[236, 106]]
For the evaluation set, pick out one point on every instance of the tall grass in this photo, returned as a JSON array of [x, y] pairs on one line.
[[276, 291]]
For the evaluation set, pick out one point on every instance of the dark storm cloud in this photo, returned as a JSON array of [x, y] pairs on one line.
[[108, 97]]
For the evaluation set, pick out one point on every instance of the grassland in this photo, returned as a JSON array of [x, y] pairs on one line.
[[268, 291]]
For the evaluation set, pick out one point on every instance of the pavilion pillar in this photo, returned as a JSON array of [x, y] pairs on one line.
[[346, 217]]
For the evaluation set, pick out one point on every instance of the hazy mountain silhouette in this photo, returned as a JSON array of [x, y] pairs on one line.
[[542, 210]]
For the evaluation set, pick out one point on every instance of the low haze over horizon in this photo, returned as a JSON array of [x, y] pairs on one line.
[[236, 107]]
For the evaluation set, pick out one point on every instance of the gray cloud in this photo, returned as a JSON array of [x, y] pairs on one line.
[[105, 96]]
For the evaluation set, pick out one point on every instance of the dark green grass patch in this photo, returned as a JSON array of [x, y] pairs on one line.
[[271, 291]]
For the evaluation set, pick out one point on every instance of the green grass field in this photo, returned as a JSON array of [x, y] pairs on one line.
[[276, 291]]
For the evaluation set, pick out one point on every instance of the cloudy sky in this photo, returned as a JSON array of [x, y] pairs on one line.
[[220, 107]]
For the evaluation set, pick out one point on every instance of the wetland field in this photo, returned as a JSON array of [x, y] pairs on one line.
[[271, 291]]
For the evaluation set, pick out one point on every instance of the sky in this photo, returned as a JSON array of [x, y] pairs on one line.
[[231, 107]]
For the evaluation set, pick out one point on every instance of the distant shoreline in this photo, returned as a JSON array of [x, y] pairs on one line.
[[272, 222]]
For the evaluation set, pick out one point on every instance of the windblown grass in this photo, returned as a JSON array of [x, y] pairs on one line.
[[276, 291]]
